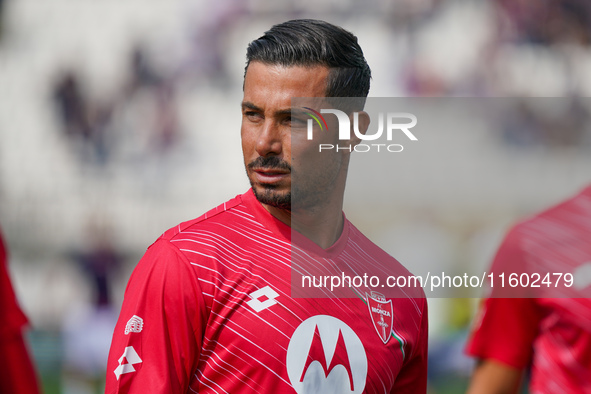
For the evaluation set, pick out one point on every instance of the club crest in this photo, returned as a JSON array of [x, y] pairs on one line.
[[381, 313]]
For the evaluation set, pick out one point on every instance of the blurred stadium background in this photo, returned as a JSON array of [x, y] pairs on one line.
[[120, 119]]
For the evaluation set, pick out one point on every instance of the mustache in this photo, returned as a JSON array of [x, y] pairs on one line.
[[269, 163]]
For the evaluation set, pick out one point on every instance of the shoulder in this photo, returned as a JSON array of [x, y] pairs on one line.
[[565, 223], [378, 262], [573, 213], [237, 227], [223, 213], [230, 220], [359, 243], [180, 245]]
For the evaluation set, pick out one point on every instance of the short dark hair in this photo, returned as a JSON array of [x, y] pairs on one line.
[[308, 43]]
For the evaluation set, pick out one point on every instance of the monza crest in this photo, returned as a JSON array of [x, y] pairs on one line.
[[381, 313]]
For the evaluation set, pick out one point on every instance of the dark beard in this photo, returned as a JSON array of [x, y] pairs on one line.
[[270, 196]]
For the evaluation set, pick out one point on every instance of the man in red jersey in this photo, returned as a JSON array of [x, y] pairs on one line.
[[209, 309], [550, 332], [17, 374]]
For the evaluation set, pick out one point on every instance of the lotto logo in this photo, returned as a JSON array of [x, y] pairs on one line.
[[135, 324], [131, 356], [267, 294]]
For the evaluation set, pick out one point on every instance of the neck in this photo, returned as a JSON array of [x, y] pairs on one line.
[[322, 225]]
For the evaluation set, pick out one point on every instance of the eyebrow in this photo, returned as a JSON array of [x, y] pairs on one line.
[[249, 105]]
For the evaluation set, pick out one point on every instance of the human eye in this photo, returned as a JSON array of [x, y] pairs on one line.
[[297, 121], [252, 116]]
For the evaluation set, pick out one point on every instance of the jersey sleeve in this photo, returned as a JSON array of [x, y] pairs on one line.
[[505, 328], [13, 319], [412, 379], [157, 339], [505, 331], [17, 372]]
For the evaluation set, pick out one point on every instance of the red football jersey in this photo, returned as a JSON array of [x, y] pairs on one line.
[[17, 374], [208, 309], [552, 334]]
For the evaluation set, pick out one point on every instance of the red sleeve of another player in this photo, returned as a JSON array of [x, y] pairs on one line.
[[17, 373], [505, 328], [157, 339], [412, 379], [505, 331], [12, 317]]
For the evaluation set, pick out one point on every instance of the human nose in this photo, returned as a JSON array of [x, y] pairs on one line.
[[269, 140]]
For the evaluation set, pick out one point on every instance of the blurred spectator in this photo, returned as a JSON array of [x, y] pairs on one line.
[[515, 48], [17, 374], [143, 112], [100, 262], [167, 124], [143, 82], [548, 22], [141, 70], [71, 104], [2, 7], [87, 328], [552, 123], [83, 122], [208, 34]]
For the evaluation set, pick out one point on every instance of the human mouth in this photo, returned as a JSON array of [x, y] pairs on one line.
[[270, 175]]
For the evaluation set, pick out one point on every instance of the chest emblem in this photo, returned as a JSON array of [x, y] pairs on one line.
[[381, 313]]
